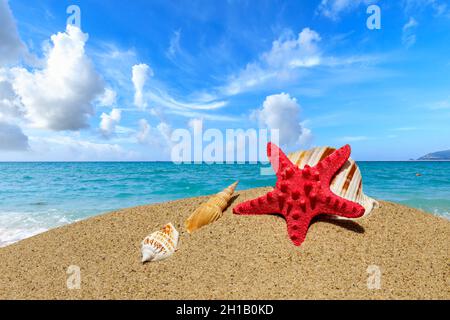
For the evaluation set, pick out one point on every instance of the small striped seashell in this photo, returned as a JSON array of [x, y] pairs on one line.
[[211, 210], [348, 181], [160, 244]]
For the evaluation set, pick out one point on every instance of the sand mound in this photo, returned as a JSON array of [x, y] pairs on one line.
[[238, 257]]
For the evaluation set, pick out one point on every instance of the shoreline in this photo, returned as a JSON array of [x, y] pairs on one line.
[[237, 257], [444, 215]]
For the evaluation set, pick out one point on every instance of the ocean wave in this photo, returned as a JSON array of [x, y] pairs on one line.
[[16, 226], [10, 235], [441, 213], [437, 206]]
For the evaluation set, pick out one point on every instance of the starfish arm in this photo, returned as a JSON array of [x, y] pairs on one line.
[[329, 166], [266, 204], [342, 207], [298, 228], [280, 162]]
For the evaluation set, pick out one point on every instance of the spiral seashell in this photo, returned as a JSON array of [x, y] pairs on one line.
[[348, 181], [211, 210], [160, 244]]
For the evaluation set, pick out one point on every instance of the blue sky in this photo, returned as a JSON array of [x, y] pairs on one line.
[[310, 68]]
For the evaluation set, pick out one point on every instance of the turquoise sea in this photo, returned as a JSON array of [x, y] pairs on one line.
[[35, 197]]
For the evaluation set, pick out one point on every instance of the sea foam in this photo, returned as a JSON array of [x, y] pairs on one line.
[[15, 226]]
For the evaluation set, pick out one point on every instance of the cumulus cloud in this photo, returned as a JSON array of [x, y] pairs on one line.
[[109, 122], [59, 97], [12, 138], [288, 53], [11, 46], [408, 35], [140, 74], [10, 106], [334, 8], [306, 137], [281, 112], [294, 52], [108, 98]]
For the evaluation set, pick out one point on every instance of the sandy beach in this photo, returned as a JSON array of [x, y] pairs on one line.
[[238, 257]]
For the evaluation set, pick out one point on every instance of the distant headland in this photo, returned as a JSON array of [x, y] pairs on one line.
[[437, 156]]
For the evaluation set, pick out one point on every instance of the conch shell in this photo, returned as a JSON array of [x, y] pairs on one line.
[[160, 244], [348, 181], [211, 210]]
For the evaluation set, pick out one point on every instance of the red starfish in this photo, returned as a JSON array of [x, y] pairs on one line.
[[299, 195]]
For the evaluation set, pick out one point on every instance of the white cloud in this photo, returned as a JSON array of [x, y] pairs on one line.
[[283, 64], [196, 124], [287, 54], [166, 103], [12, 138], [205, 116], [165, 130], [197, 107], [306, 137], [182, 59], [408, 36], [164, 100], [334, 8], [10, 106], [140, 74], [144, 131], [108, 98], [159, 137], [125, 132], [11, 47], [280, 111], [294, 52], [59, 97], [109, 122]]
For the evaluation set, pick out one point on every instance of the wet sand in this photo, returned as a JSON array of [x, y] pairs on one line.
[[237, 257]]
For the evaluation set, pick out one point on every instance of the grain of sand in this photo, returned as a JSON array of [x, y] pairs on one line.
[[237, 257]]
